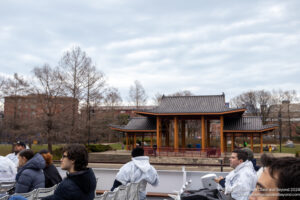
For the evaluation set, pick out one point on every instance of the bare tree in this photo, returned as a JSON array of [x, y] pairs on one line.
[[247, 100], [49, 89], [157, 98], [182, 93], [112, 97], [74, 65], [137, 94], [15, 87], [93, 93]]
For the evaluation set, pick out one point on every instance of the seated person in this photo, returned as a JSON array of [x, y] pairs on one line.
[[279, 179], [52, 177], [240, 182], [137, 170], [30, 175], [8, 170]]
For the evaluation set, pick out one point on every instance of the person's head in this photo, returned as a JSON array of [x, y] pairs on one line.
[[237, 157], [47, 156], [279, 180], [24, 156], [74, 158], [19, 146], [137, 152], [249, 152]]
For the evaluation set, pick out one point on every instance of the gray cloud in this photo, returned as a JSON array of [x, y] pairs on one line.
[[207, 47]]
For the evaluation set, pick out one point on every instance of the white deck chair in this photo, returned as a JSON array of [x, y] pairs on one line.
[[121, 192], [44, 192], [133, 191], [5, 186], [5, 197], [111, 195], [28, 195], [100, 197]]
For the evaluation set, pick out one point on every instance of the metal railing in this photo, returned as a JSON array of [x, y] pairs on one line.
[[183, 152]]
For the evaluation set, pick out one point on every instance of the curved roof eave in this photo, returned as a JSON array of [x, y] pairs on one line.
[[208, 113]]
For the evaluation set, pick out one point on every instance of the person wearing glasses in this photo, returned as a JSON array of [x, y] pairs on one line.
[[80, 183], [280, 179]]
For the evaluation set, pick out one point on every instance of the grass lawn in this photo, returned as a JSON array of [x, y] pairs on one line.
[[288, 150], [6, 148], [116, 146]]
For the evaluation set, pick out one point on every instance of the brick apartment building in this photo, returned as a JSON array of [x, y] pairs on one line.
[[289, 115], [30, 107]]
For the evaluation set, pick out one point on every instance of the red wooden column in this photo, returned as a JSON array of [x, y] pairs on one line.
[[207, 133], [176, 144], [158, 131], [261, 143], [183, 134], [221, 133], [251, 141], [127, 141], [203, 133], [134, 140]]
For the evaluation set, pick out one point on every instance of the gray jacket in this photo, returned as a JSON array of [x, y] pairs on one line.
[[31, 175]]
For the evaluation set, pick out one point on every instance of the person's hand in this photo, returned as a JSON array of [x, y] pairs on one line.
[[217, 180]]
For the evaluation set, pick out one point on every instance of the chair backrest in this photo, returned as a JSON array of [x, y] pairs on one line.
[[5, 197], [5, 186], [133, 191], [121, 193], [28, 195], [100, 197], [44, 192], [110, 195]]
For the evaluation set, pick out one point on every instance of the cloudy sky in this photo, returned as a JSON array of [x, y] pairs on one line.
[[207, 47]]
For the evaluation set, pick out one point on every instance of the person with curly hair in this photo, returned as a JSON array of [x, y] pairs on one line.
[[80, 183]]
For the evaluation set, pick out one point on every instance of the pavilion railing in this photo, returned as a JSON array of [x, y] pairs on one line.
[[183, 152]]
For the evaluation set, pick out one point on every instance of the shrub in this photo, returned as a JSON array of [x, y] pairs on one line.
[[298, 154], [98, 148], [57, 153]]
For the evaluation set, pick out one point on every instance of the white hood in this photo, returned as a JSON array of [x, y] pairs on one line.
[[142, 162], [8, 169], [136, 171]]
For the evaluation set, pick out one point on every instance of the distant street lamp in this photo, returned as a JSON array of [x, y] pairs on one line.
[[280, 130]]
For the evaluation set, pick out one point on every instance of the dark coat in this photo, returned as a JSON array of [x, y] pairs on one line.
[[80, 185], [31, 175], [52, 177]]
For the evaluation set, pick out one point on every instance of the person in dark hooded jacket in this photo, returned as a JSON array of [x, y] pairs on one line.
[[30, 175], [52, 177], [80, 183]]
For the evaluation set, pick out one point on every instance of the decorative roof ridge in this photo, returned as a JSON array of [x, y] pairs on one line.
[[221, 95], [251, 117]]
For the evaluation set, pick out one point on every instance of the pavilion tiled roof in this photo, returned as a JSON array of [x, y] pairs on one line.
[[138, 123], [246, 123], [191, 104]]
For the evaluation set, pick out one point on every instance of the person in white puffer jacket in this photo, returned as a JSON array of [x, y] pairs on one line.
[[136, 171], [240, 182], [8, 170]]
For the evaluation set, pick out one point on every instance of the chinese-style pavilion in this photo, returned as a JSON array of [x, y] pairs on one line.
[[174, 111]]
